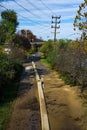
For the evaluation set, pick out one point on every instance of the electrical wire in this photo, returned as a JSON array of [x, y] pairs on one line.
[[40, 24], [3, 6], [18, 14], [36, 22], [44, 29], [27, 10], [30, 20], [46, 6], [37, 8]]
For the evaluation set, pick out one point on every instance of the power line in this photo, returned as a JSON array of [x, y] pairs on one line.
[[29, 20], [27, 10], [18, 14], [26, 18], [3, 6], [37, 8], [70, 35], [47, 7], [44, 30], [40, 24]]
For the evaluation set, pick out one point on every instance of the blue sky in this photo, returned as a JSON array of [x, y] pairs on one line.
[[36, 15]]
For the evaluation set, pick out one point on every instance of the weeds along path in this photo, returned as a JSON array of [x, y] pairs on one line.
[[64, 104], [26, 110]]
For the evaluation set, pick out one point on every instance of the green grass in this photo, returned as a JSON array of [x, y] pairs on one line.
[[66, 79], [4, 115], [6, 103], [84, 98], [46, 63]]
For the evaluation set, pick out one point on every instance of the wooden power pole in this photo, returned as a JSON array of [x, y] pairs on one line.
[[56, 22]]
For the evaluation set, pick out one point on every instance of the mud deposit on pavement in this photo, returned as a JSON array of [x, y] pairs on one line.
[[64, 105]]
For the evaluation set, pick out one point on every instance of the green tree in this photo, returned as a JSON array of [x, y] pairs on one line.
[[21, 42], [2, 32], [28, 34], [6, 70], [47, 47], [8, 25]]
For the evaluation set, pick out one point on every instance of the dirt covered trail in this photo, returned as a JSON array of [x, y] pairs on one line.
[[64, 104], [26, 111]]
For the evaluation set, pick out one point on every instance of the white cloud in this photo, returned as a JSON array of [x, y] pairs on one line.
[[64, 1], [42, 26]]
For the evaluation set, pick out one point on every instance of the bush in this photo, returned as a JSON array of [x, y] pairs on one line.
[[70, 59], [47, 48], [6, 71], [10, 67]]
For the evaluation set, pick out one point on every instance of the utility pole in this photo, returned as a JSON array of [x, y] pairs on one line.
[[57, 21]]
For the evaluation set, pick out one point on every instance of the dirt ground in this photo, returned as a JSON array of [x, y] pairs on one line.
[[26, 111], [64, 104]]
